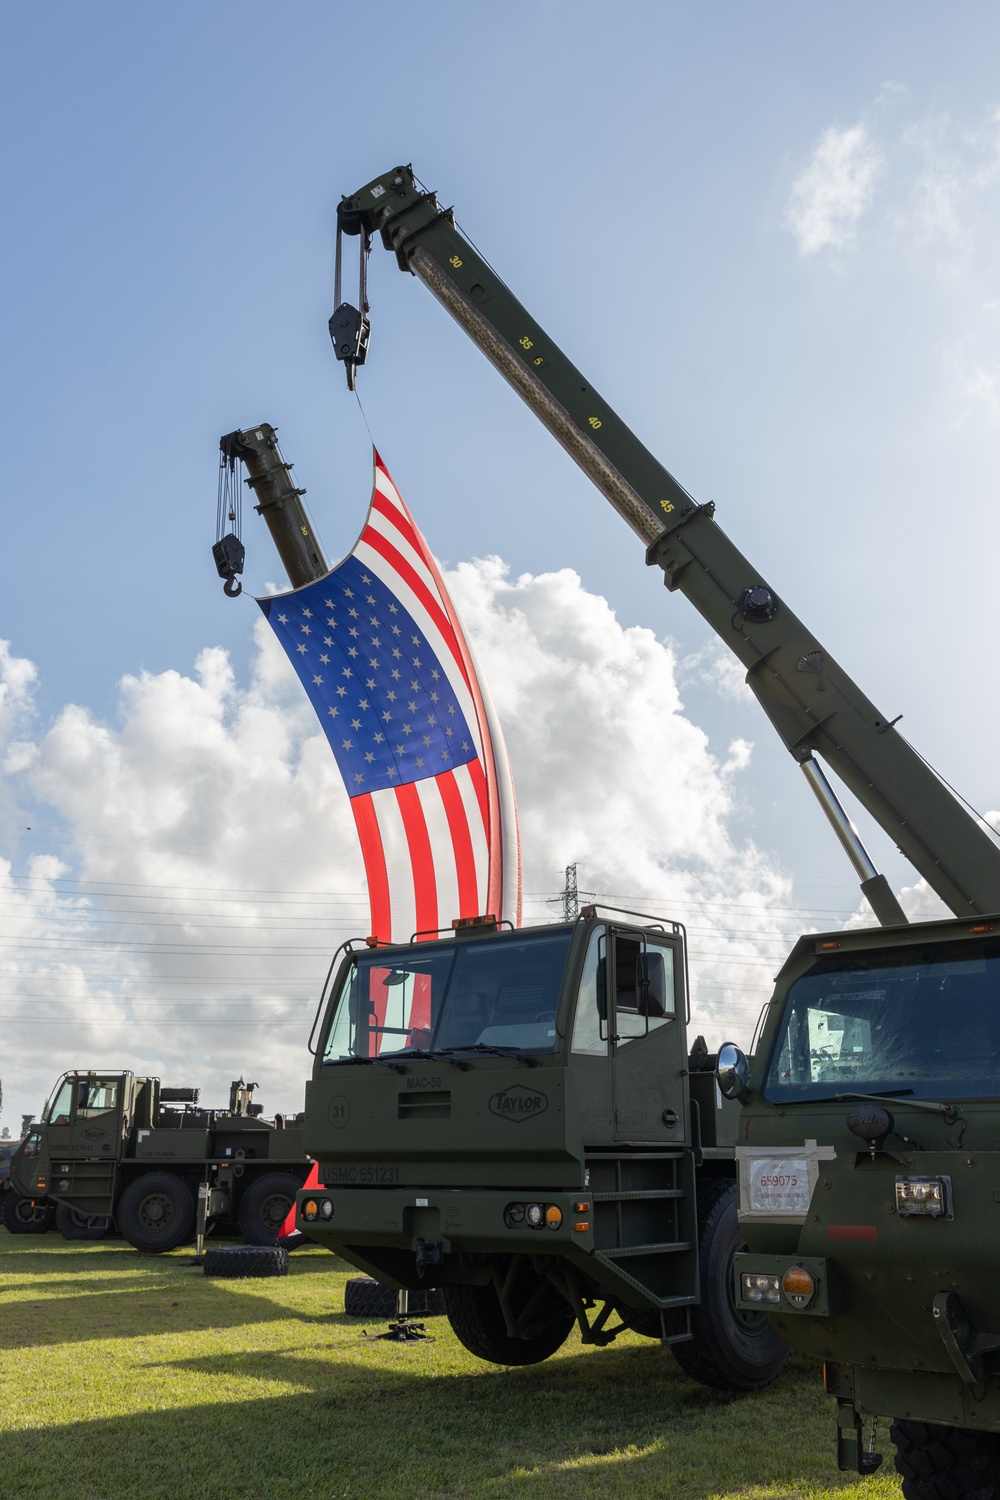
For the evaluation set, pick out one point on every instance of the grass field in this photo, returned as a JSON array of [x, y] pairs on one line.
[[123, 1375]]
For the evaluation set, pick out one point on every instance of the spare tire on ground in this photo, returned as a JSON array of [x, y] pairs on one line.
[[364, 1297], [246, 1260]]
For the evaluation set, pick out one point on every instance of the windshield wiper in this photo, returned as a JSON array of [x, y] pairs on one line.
[[930, 1105], [372, 1061], [521, 1057]]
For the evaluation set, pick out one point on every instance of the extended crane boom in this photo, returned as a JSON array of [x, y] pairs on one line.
[[811, 701]]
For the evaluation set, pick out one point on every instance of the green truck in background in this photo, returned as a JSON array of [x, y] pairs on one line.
[[536, 1177], [115, 1149]]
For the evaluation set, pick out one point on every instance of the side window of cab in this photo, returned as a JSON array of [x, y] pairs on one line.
[[62, 1106], [644, 985]]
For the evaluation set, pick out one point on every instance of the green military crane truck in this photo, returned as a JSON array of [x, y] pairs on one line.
[[540, 1178], [117, 1149], [514, 1116]]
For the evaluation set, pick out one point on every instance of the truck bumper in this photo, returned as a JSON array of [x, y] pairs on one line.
[[440, 1222]]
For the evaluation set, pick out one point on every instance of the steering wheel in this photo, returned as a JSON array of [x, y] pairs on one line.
[[546, 1015]]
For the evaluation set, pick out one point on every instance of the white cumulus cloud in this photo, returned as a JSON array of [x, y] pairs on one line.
[[834, 189], [202, 863]]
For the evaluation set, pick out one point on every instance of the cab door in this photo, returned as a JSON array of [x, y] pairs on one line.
[[648, 1037], [589, 1098], [85, 1117]]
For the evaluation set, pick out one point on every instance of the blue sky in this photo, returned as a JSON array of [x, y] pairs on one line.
[[766, 233]]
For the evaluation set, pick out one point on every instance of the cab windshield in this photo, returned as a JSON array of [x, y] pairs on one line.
[[482, 994], [921, 1021]]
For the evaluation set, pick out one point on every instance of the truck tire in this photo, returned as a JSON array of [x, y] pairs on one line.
[[73, 1225], [364, 1297], [24, 1216], [475, 1315], [246, 1260], [730, 1350], [946, 1463], [156, 1212], [264, 1207]]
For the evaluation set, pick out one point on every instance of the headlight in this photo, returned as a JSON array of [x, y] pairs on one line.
[[799, 1286], [326, 1209], [535, 1215], [758, 1288], [929, 1197]]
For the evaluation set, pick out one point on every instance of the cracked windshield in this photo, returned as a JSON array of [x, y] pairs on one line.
[[929, 1025], [479, 995]]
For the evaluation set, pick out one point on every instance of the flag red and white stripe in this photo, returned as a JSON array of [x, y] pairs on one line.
[[381, 652]]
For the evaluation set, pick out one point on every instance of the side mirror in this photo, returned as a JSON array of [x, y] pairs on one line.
[[651, 984], [732, 1072], [601, 985]]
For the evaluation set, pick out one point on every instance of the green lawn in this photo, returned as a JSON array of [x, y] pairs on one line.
[[132, 1376]]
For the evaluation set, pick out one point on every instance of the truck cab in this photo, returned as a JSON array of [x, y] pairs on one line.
[[514, 1116], [869, 1169]]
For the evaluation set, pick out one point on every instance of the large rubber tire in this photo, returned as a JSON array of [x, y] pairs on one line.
[[946, 1463], [24, 1216], [364, 1297], [475, 1315], [264, 1207], [73, 1225], [156, 1212], [730, 1350], [246, 1260]]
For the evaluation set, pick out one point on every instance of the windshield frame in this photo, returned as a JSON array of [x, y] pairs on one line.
[[928, 1050], [453, 959]]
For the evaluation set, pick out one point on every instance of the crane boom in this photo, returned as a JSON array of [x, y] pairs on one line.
[[811, 701]]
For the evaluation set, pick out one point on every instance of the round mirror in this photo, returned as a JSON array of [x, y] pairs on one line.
[[732, 1071]]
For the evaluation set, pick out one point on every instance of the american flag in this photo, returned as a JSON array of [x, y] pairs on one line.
[[380, 651]]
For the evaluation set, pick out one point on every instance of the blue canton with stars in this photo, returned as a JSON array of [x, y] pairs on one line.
[[379, 690]]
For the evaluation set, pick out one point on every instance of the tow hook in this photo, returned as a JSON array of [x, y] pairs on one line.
[[852, 1455], [428, 1253]]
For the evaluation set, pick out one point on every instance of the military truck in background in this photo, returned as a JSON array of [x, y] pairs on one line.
[[115, 1149]]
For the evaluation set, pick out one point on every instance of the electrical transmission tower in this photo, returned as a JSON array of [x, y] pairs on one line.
[[569, 896]]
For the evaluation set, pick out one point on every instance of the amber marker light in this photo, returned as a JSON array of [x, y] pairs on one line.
[[799, 1286], [581, 1208], [823, 947], [553, 1217], [581, 1228], [310, 1208]]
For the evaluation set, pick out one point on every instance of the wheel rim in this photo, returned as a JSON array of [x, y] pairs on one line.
[[156, 1213], [274, 1211]]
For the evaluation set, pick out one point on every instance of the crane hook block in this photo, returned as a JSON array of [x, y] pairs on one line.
[[350, 331], [229, 554]]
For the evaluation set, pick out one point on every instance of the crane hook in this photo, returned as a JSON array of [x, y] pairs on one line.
[[232, 587]]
